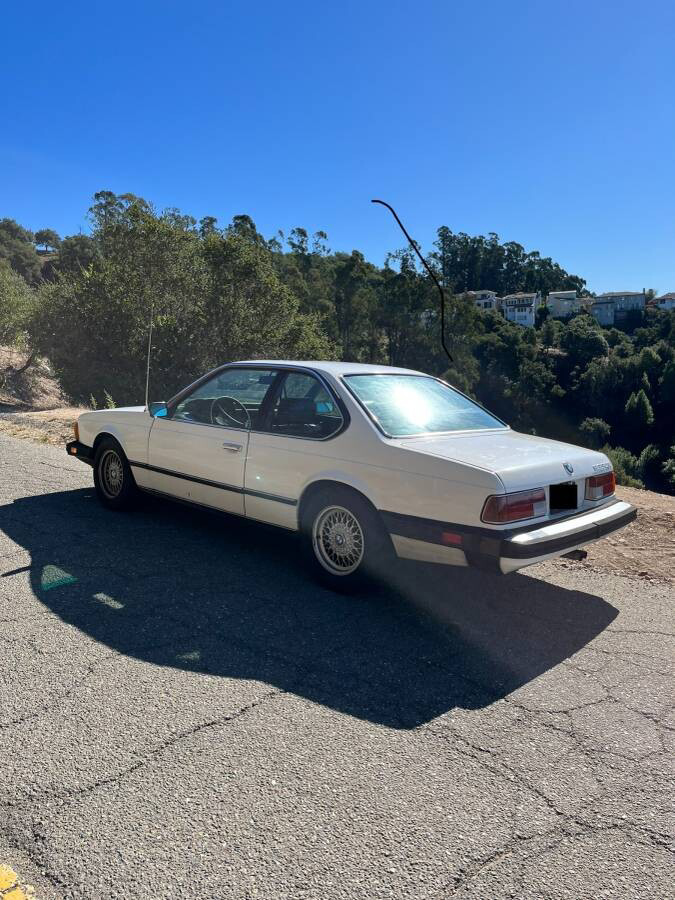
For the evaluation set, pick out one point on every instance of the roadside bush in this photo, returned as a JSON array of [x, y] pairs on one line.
[[625, 466]]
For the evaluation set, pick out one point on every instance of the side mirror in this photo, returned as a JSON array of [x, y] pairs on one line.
[[158, 410]]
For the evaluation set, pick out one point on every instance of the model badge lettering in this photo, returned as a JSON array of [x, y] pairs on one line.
[[602, 467]]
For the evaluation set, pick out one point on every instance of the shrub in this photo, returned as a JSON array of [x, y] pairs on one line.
[[625, 466], [16, 303], [596, 431]]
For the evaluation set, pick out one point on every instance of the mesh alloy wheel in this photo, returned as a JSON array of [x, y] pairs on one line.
[[338, 541], [111, 474]]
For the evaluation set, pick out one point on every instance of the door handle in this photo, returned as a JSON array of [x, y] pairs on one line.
[[233, 448]]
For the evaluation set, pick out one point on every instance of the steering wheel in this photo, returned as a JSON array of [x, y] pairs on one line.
[[219, 410]]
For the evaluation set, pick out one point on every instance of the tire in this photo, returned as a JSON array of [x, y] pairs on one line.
[[344, 540], [113, 478]]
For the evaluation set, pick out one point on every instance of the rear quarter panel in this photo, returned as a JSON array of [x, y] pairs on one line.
[[392, 478]]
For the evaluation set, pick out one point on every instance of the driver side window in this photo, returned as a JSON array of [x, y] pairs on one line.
[[231, 399]]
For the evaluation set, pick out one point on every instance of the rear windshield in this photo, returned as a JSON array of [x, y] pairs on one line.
[[416, 404]]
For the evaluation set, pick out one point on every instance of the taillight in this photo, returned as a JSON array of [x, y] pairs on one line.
[[513, 507], [599, 486]]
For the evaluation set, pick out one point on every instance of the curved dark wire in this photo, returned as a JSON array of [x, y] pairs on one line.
[[427, 267]]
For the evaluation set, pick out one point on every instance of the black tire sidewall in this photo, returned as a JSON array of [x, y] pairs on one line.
[[126, 497]]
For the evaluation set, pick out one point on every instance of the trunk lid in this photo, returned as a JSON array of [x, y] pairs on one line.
[[521, 461]]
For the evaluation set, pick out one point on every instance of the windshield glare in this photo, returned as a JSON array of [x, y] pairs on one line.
[[417, 404]]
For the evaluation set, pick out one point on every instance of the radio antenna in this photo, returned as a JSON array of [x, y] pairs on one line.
[[429, 270], [147, 368]]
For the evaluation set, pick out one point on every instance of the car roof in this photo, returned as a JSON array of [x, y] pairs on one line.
[[330, 367]]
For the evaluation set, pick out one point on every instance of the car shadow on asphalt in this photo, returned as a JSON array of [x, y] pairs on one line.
[[180, 587]]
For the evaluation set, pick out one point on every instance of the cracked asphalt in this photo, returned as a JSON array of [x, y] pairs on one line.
[[184, 714]]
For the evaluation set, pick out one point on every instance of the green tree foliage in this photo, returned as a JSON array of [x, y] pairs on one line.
[[16, 303], [215, 298], [668, 468], [649, 466], [639, 411], [470, 263], [583, 340], [47, 237], [625, 466], [595, 430], [76, 252], [17, 248]]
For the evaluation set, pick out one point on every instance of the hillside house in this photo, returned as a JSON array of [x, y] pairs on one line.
[[666, 301], [484, 299], [521, 308], [562, 304], [614, 306]]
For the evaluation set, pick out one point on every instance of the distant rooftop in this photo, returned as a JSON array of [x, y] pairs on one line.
[[620, 294]]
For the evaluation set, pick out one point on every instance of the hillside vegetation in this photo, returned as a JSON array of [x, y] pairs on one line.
[[84, 303]]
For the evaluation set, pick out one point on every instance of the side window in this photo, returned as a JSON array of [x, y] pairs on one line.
[[304, 408], [232, 399]]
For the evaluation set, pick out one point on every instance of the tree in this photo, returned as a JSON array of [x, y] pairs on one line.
[[639, 411], [550, 332], [471, 263], [215, 298], [76, 253], [625, 466], [17, 248], [16, 302], [541, 316], [583, 340], [208, 225], [668, 468], [596, 431], [47, 238], [353, 298], [649, 467]]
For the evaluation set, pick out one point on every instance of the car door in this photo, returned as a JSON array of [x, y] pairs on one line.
[[198, 452], [292, 442]]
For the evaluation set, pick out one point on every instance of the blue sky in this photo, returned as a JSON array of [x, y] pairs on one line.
[[551, 123]]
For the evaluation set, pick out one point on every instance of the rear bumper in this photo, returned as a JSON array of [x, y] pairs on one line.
[[81, 451], [503, 551]]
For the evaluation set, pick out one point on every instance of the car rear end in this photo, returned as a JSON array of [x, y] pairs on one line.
[[524, 527]]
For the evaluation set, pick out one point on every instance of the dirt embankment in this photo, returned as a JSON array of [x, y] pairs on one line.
[[645, 548], [36, 409], [32, 404]]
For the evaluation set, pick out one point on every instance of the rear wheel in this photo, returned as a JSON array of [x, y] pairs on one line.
[[113, 478], [345, 541]]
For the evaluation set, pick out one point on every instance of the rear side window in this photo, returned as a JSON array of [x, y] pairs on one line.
[[304, 408]]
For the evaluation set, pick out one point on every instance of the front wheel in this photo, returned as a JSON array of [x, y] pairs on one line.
[[344, 539], [113, 478]]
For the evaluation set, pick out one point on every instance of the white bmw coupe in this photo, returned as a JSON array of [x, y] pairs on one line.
[[366, 462]]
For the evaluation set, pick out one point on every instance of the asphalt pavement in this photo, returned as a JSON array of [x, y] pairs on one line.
[[185, 714]]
